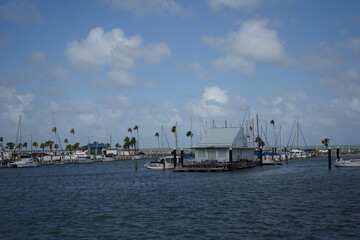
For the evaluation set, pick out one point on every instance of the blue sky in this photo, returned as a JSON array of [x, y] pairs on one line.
[[103, 66]]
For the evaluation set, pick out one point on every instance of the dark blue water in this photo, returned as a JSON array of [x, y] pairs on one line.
[[302, 200]]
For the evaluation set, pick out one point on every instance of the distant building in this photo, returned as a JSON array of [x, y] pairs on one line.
[[217, 143], [95, 148]]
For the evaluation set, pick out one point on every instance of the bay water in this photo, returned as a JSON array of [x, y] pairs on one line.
[[110, 200]]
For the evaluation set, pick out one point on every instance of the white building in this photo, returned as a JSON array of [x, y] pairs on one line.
[[216, 145]]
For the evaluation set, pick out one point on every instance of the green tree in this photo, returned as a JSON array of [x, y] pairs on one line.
[[25, 145], [133, 144], [260, 142], [72, 131], [272, 122], [326, 142], [10, 145], [190, 134], [130, 131], [35, 144], [56, 146], [66, 141], [174, 130], [43, 146], [19, 146], [158, 136], [137, 136]]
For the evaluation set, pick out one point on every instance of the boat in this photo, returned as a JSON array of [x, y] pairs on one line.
[[354, 162], [162, 163], [25, 162], [84, 158], [272, 160]]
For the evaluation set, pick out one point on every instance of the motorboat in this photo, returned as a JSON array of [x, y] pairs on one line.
[[354, 162], [162, 163], [84, 158], [25, 162], [272, 160]]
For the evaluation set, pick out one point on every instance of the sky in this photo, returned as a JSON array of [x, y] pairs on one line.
[[101, 67]]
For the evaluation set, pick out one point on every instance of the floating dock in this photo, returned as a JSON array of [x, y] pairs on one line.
[[217, 167]]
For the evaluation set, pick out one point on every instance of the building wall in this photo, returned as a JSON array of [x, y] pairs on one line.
[[222, 155]]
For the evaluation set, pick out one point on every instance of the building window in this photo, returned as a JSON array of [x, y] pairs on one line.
[[211, 154], [201, 153], [222, 153]]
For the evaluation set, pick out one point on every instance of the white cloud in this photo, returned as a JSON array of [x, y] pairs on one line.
[[320, 60], [38, 59], [146, 7], [14, 104], [196, 68], [219, 4], [212, 104], [19, 11], [352, 44], [113, 48], [121, 79], [230, 62], [254, 41]]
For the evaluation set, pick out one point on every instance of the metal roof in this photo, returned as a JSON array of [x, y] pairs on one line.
[[95, 145], [219, 137]]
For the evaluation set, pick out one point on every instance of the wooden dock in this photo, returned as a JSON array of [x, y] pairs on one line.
[[217, 167]]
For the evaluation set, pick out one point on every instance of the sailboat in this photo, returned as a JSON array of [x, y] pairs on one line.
[[25, 161]]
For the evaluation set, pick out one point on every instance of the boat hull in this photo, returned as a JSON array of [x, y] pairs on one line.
[[348, 163]]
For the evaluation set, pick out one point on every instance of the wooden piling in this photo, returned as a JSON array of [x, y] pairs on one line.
[[261, 155], [181, 163], [230, 159], [337, 153], [329, 158], [174, 154]]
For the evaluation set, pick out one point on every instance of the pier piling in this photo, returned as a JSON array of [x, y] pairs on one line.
[[181, 163], [230, 159], [329, 157], [174, 153]]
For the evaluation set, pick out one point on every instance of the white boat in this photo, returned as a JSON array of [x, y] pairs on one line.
[[354, 162], [84, 158], [298, 153], [25, 162], [271, 160], [108, 159], [162, 164]]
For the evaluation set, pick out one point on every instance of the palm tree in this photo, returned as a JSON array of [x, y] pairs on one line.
[[25, 145], [66, 141], [2, 141], [126, 144], [35, 144], [174, 130], [133, 144], [137, 136], [72, 131], [69, 148], [272, 122], [43, 146], [326, 142], [190, 134], [157, 135], [130, 131], [260, 142], [19, 146], [56, 146], [76, 146]]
